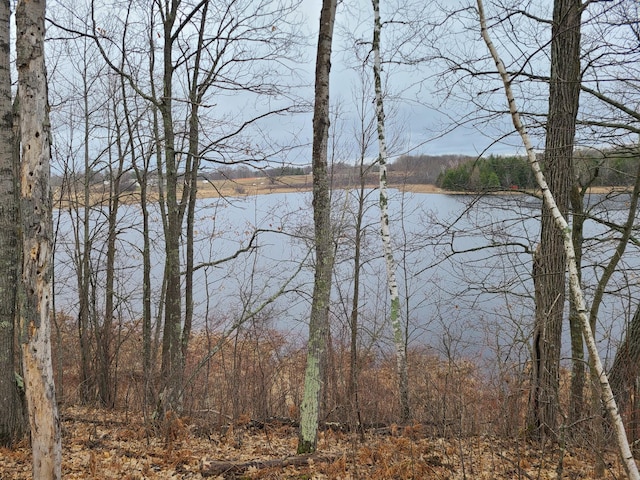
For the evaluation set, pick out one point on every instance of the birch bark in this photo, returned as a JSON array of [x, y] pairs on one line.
[[385, 233], [575, 288]]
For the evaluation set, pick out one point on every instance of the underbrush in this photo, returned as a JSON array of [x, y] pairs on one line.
[[257, 374], [241, 400]]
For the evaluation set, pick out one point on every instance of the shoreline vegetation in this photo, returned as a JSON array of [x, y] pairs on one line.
[[245, 187]]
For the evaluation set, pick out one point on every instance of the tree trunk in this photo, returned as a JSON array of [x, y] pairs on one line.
[[80, 212], [171, 342], [36, 219], [319, 321], [147, 366], [190, 194], [11, 415], [220, 468], [576, 399], [394, 295], [354, 367], [550, 259], [142, 174], [107, 381], [83, 258]]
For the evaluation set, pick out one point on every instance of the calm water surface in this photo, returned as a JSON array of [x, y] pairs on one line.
[[463, 263]]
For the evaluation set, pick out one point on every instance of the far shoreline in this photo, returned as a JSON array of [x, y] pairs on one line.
[[246, 187], [263, 186]]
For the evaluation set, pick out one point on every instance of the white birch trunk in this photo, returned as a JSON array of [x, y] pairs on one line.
[[35, 212], [385, 235], [607, 398]]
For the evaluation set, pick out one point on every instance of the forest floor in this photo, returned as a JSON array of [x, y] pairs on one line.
[[101, 444]]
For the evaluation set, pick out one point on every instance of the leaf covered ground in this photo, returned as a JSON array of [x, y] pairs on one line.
[[99, 444]]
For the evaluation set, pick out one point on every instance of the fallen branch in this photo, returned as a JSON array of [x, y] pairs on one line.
[[210, 468]]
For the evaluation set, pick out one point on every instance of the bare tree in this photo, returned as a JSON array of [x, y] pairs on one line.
[[607, 397], [364, 133], [141, 154], [180, 62], [105, 337], [211, 65], [319, 321], [609, 53]]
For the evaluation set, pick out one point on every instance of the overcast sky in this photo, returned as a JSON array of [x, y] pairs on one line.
[[421, 128]]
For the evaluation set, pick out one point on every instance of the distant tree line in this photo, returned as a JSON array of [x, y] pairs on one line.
[[426, 169], [616, 167], [492, 173], [244, 171], [421, 169]]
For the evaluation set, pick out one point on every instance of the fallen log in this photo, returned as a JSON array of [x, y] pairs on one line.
[[210, 468]]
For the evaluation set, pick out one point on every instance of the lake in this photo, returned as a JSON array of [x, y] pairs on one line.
[[464, 264]]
